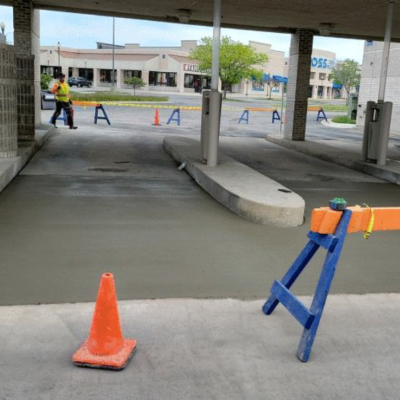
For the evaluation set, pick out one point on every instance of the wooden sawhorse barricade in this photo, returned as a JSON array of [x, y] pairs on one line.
[[329, 227]]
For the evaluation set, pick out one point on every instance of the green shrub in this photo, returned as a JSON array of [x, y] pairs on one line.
[[135, 82], [343, 119], [119, 96], [45, 80]]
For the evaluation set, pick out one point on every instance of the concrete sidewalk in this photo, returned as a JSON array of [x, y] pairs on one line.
[[206, 349], [346, 153]]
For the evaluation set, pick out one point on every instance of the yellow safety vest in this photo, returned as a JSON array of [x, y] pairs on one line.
[[61, 94]]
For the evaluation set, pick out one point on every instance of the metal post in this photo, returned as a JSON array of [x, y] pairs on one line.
[[59, 63], [386, 50], [283, 95], [215, 96], [113, 59]]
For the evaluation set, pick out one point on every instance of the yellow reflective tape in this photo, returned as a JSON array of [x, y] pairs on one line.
[[367, 233]]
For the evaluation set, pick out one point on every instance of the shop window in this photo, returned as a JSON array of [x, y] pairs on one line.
[[257, 86], [86, 73], [162, 78], [132, 74], [106, 76], [50, 70]]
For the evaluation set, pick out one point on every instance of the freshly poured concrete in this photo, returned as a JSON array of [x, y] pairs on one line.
[[10, 167], [79, 209], [206, 349], [241, 189], [345, 153]]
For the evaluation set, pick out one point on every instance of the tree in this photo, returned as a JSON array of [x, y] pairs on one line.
[[236, 61], [270, 82], [45, 80], [347, 74], [135, 82]]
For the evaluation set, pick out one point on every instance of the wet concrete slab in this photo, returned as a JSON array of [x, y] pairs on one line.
[[65, 220]]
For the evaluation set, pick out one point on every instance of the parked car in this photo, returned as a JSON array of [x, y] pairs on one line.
[[78, 81]]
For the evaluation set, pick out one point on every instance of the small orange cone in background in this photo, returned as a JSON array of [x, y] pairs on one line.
[[105, 347], [156, 118]]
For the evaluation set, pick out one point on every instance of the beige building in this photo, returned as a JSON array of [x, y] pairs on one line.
[[322, 62], [170, 69]]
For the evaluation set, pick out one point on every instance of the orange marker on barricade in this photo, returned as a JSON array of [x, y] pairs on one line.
[[105, 347]]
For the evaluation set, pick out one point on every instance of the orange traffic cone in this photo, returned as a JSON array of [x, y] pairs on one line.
[[105, 346], [156, 118]]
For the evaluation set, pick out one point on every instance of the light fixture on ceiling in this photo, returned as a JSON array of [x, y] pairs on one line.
[[325, 29], [184, 16]]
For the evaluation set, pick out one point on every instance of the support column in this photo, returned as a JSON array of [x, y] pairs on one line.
[[27, 48], [95, 77], [315, 92], [119, 79], [324, 92], [8, 103], [215, 95], [298, 82]]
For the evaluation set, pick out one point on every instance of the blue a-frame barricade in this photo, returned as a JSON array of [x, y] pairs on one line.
[[177, 119], [244, 117], [96, 114], [321, 114], [62, 117], [310, 318], [275, 116]]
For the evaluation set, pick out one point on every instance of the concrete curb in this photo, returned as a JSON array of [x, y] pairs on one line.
[[348, 159], [239, 188], [10, 167], [332, 124]]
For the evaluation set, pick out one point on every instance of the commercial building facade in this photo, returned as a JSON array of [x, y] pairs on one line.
[[170, 69], [370, 76]]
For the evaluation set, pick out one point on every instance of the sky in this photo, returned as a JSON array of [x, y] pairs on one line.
[[83, 31]]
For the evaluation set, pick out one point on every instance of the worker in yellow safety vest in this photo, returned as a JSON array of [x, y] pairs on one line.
[[63, 101]]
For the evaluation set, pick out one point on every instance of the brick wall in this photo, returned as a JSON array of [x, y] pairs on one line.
[[370, 77], [8, 102], [27, 48], [298, 82]]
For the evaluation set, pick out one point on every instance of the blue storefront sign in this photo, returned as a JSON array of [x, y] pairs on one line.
[[323, 63]]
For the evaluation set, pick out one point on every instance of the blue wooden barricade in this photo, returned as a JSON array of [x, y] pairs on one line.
[[61, 118], [310, 318], [177, 119], [275, 116], [96, 114], [323, 116], [244, 117]]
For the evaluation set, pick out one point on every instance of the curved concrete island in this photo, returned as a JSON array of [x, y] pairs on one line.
[[239, 188]]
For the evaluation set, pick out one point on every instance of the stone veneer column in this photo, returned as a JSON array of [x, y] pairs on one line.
[[27, 49], [8, 103], [298, 83]]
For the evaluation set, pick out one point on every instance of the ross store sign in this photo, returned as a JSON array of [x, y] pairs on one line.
[[191, 67], [323, 63]]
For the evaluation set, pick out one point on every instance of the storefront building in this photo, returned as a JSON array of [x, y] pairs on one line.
[[170, 69], [321, 87]]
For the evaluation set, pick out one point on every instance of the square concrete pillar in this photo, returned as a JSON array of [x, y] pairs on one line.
[[298, 83], [27, 49], [8, 102], [315, 92]]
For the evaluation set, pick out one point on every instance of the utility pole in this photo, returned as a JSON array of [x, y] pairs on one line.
[[59, 62], [113, 59]]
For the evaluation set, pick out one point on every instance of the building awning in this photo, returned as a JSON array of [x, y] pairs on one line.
[[279, 78], [337, 86]]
